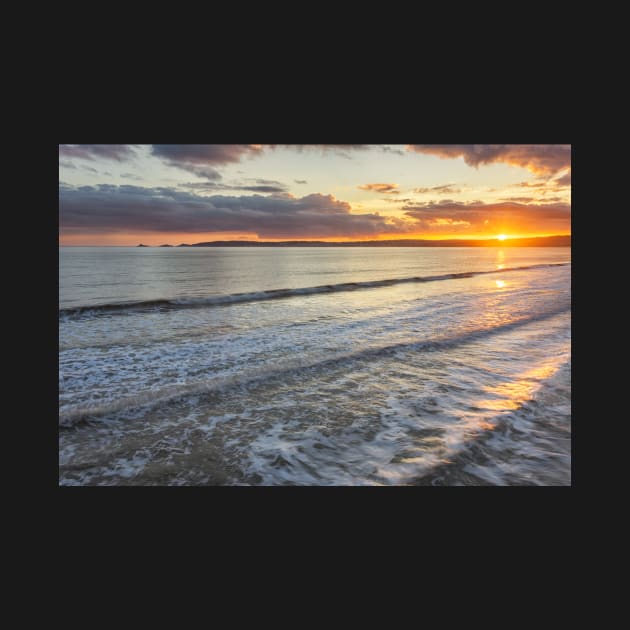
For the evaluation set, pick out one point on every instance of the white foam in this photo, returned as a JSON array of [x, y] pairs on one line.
[[329, 392]]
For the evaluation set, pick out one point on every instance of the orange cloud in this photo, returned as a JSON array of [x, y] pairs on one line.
[[445, 189], [388, 189]]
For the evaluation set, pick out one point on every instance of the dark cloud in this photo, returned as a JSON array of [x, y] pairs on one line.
[[207, 172], [324, 147], [398, 200], [542, 159], [118, 152], [300, 181], [391, 150], [445, 189], [477, 216], [547, 184], [66, 164], [341, 150], [270, 182], [204, 154], [388, 189], [261, 186], [107, 208], [201, 159]]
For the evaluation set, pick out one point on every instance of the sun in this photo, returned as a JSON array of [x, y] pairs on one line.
[[501, 237]]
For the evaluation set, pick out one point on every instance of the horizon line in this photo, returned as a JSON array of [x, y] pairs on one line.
[[376, 242]]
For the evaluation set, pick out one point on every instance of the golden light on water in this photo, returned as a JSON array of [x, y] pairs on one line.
[[500, 259], [500, 284], [513, 394]]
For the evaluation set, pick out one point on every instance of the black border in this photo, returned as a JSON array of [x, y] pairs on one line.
[[338, 114]]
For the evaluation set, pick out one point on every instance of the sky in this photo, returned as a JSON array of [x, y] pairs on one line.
[[171, 194]]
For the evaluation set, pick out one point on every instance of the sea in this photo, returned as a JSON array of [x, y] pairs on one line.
[[314, 366]]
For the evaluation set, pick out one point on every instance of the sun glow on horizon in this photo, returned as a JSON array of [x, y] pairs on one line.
[[501, 237]]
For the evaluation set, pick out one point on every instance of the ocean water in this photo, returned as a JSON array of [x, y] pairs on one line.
[[314, 366]]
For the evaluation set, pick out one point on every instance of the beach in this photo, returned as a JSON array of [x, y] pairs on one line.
[[315, 366]]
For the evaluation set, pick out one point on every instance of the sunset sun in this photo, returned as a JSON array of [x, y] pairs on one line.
[[501, 237]]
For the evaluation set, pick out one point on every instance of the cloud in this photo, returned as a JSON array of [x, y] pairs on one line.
[[520, 199], [542, 159], [445, 189], [207, 172], [554, 199], [106, 208], [204, 154], [341, 150], [388, 189], [504, 216], [212, 187], [531, 184], [261, 188], [201, 159], [391, 150], [323, 147], [564, 180], [259, 185], [547, 185], [258, 180], [118, 152], [212, 155], [300, 181], [130, 176]]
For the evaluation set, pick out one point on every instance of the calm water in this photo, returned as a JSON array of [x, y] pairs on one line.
[[441, 366]]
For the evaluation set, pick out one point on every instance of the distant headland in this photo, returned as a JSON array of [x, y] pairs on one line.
[[540, 241]]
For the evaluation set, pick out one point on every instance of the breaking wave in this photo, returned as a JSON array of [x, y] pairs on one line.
[[273, 294]]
